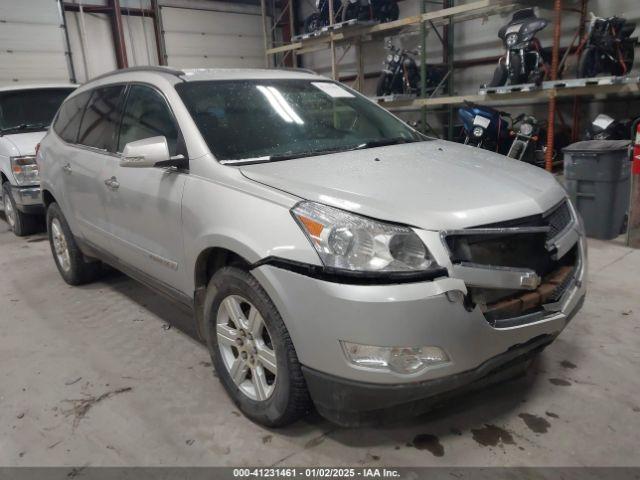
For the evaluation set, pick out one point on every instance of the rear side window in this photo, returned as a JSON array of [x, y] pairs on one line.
[[99, 128], [68, 120], [147, 115]]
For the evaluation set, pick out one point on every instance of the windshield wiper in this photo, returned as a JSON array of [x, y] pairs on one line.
[[26, 126], [383, 142], [283, 156]]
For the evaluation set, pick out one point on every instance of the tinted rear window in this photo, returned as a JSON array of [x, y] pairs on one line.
[[101, 118]]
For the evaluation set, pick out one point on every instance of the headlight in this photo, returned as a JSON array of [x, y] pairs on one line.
[[526, 129], [404, 360], [25, 170], [350, 242], [512, 39], [478, 131], [396, 58], [390, 58]]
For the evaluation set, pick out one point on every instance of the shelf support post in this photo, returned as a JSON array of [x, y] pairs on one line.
[[555, 60]]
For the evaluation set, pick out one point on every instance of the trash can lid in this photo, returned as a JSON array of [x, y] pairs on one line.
[[598, 146]]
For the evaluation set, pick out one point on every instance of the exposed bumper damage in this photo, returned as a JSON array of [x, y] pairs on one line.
[[510, 290]]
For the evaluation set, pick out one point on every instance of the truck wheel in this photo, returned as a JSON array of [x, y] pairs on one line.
[[251, 350], [20, 223], [72, 264]]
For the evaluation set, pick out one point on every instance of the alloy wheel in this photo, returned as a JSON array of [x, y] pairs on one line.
[[9, 212], [246, 347], [60, 246]]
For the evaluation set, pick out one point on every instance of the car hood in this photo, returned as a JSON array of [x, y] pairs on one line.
[[433, 185], [24, 143]]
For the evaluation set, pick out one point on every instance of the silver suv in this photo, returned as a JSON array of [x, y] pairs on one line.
[[332, 255]]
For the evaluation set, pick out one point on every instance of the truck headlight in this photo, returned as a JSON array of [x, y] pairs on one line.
[[25, 170], [405, 360], [351, 242]]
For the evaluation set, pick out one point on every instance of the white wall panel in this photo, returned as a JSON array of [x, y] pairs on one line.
[[32, 42], [212, 38]]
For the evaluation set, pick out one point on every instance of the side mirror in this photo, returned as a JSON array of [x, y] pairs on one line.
[[145, 153], [149, 153]]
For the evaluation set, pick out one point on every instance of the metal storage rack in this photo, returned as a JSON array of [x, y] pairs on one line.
[[283, 51]]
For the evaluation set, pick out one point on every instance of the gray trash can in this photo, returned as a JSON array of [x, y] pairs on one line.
[[597, 175]]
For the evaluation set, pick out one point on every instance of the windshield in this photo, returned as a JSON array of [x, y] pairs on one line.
[[30, 110], [268, 120]]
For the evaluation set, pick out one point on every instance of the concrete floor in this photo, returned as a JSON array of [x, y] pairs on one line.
[[95, 376]]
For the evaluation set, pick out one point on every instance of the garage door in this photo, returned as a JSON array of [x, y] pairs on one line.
[[32, 42], [201, 38]]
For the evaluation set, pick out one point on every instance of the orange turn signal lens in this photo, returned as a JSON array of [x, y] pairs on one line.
[[314, 229]]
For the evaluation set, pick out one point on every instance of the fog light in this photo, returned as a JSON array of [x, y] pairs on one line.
[[395, 359]]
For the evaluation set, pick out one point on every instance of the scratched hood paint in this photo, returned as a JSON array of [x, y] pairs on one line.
[[432, 185]]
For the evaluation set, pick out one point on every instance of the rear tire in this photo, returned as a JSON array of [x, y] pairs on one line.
[[20, 223], [71, 262], [255, 359]]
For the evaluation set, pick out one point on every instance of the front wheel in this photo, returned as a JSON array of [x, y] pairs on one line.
[[588, 65], [72, 264], [500, 75], [516, 150], [20, 223], [384, 85], [251, 350], [312, 23]]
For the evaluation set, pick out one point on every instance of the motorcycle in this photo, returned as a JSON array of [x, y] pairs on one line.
[[401, 73], [525, 61], [321, 18], [381, 10], [609, 47], [603, 127], [485, 127], [526, 135]]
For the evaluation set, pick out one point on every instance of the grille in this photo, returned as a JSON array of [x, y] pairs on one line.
[[558, 218]]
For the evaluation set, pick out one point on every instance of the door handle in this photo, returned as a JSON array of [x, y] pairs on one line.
[[112, 183], [67, 168]]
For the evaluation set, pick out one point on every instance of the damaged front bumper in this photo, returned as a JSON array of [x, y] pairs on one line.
[[449, 313]]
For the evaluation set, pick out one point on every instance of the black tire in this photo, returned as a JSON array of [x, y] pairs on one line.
[[384, 85], [588, 64], [514, 75], [290, 399], [20, 223], [312, 23], [80, 270], [500, 76], [390, 12], [350, 11], [516, 150]]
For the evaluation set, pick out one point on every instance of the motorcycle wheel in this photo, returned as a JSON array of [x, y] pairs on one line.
[[384, 85], [350, 11], [516, 150], [588, 64], [499, 76], [390, 12], [312, 23], [514, 75]]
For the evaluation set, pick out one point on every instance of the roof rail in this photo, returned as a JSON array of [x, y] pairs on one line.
[[303, 70], [144, 68]]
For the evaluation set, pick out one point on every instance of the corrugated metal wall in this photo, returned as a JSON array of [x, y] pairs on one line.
[[32, 42]]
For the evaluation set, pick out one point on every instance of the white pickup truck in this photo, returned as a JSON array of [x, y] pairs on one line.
[[26, 111]]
